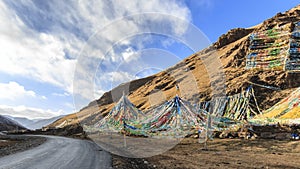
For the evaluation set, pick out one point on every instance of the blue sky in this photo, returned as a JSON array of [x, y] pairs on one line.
[[46, 44], [220, 16]]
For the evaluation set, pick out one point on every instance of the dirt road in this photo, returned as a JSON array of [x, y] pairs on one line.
[[59, 152]]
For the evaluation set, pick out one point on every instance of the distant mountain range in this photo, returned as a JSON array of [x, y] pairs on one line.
[[33, 124], [7, 124]]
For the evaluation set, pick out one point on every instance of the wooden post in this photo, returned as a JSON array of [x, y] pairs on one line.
[[207, 132], [206, 138], [125, 144], [123, 120], [199, 133]]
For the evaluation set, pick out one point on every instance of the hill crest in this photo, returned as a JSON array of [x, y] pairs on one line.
[[231, 48]]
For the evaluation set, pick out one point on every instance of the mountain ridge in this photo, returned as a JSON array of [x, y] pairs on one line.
[[231, 48], [7, 124], [35, 123]]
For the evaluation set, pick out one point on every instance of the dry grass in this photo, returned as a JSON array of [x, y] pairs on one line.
[[224, 153]]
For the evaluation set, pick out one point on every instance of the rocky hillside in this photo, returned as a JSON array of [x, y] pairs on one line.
[[7, 124], [197, 80]]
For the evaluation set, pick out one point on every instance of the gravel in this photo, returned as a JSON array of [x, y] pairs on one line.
[[10, 144]]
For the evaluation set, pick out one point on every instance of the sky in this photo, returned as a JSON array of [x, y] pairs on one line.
[[57, 56]]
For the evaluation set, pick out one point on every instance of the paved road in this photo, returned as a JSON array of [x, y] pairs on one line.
[[59, 153]]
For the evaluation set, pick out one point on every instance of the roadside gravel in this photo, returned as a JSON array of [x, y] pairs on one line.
[[10, 144]]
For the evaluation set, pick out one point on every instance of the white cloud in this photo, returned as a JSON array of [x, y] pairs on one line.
[[39, 56], [129, 54], [29, 112], [44, 45], [120, 77], [13, 91], [65, 94], [42, 61], [70, 105], [98, 93]]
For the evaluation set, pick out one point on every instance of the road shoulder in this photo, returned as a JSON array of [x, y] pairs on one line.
[[10, 144]]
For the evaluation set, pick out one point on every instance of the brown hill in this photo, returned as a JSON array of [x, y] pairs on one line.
[[196, 83]]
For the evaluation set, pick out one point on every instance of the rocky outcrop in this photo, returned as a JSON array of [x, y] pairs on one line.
[[232, 36]]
